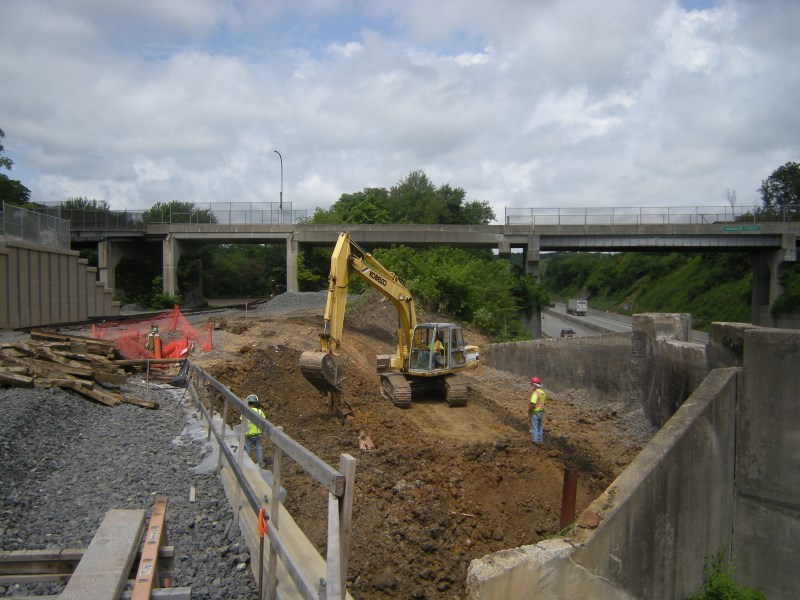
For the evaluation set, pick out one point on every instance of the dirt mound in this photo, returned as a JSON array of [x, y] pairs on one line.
[[443, 485]]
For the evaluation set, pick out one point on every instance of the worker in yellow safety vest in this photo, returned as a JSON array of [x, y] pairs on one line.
[[536, 411], [252, 437]]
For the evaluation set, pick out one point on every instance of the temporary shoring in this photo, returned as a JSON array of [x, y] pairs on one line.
[[205, 391]]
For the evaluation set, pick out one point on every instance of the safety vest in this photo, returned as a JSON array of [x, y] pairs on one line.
[[538, 398], [252, 429]]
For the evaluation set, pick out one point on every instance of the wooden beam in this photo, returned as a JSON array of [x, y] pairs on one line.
[[104, 568], [147, 573], [47, 566]]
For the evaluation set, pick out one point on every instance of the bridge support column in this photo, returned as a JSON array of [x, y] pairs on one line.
[[534, 323], [173, 250], [108, 256], [292, 248], [171, 256], [767, 267], [532, 256]]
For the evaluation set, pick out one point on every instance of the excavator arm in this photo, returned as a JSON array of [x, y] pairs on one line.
[[321, 368]]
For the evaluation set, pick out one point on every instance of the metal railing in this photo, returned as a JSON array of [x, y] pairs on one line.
[[224, 213], [30, 227], [203, 389], [647, 215]]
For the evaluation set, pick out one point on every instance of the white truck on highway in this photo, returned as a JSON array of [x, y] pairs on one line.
[[576, 307]]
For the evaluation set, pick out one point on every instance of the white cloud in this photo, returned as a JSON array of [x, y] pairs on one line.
[[564, 102]]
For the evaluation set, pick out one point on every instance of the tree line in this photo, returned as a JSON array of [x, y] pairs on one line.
[[473, 286]]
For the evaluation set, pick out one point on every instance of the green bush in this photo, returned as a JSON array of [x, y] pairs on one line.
[[720, 585]]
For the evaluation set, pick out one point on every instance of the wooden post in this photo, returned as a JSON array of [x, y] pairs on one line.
[[274, 516], [238, 503], [347, 466], [222, 435], [333, 584]]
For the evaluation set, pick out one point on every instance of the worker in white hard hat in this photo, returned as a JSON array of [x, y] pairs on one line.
[[252, 437], [536, 411]]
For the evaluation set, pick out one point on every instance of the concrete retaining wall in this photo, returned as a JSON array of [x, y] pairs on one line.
[[45, 285], [665, 366], [596, 363], [721, 476], [658, 521], [767, 511]]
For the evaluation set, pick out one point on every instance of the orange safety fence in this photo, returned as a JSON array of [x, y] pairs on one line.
[[176, 337]]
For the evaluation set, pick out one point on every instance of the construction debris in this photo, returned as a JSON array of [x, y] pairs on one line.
[[365, 442], [87, 366]]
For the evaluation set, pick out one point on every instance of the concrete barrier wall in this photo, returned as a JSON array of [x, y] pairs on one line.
[[720, 476], [43, 286], [767, 511], [649, 534], [597, 364], [665, 366]]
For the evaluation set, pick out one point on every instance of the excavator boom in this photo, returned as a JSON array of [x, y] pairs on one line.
[[428, 356], [321, 368]]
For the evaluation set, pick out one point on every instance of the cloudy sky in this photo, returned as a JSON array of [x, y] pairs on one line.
[[523, 103]]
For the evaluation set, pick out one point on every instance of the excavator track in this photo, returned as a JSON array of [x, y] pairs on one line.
[[395, 387], [456, 390]]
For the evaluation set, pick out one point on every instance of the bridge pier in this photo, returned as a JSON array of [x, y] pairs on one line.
[[173, 250], [766, 287], [108, 257], [292, 248], [530, 263]]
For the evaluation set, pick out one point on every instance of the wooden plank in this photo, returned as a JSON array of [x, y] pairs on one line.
[[99, 395], [57, 565], [110, 378], [143, 403], [147, 573], [104, 568], [15, 380], [176, 593], [41, 334]]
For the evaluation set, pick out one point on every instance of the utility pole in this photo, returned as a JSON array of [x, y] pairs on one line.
[[280, 204]]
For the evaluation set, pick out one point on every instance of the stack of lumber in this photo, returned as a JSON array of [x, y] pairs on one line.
[[87, 366]]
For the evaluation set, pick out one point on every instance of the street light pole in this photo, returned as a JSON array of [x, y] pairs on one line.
[[280, 205]]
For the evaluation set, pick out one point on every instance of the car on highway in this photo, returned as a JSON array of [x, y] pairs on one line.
[[567, 333]]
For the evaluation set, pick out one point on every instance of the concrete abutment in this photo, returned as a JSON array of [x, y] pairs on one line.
[[720, 477]]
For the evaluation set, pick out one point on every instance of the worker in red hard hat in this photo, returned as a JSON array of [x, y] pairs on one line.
[[536, 411]]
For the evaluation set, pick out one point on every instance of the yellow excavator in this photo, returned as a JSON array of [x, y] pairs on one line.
[[429, 356]]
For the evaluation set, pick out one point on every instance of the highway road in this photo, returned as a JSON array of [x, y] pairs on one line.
[[594, 322]]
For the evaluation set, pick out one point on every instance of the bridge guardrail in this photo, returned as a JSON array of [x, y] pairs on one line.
[[224, 213], [649, 215]]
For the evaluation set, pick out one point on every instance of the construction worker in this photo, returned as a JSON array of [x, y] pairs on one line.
[[252, 437], [438, 348], [536, 411]]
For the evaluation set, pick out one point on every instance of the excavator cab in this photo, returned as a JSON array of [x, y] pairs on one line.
[[437, 348]]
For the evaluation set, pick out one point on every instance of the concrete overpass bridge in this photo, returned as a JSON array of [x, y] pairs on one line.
[[770, 244]]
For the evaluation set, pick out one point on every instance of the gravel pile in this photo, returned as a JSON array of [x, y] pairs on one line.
[[65, 461]]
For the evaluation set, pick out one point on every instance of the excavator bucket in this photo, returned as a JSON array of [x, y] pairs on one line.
[[321, 369]]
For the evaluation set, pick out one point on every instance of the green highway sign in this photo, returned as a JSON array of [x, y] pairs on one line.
[[741, 228]]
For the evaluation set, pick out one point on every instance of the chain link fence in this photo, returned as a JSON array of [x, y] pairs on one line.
[[37, 228]]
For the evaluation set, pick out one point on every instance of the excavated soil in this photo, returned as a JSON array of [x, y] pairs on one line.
[[443, 485]]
